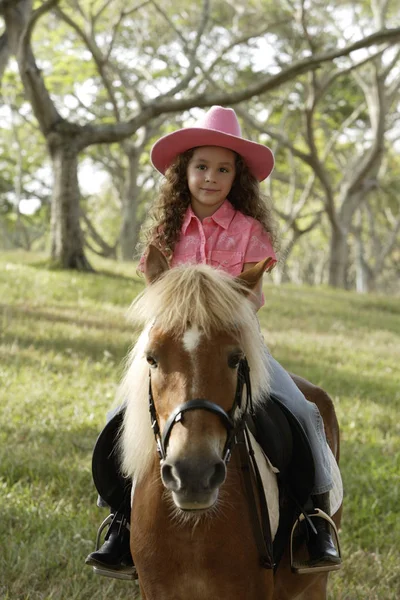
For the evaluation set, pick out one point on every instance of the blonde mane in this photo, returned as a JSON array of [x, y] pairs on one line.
[[200, 296]]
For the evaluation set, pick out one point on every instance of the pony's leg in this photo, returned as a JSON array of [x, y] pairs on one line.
[[142, 594], [317, 590], [289, 586]]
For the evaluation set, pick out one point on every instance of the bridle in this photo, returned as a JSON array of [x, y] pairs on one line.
[[231, 424], [236, 434]]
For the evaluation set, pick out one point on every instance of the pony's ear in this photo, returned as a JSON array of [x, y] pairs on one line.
[[155, 264], [252, 276]]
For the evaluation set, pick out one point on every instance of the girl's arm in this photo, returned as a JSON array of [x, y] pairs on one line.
[[256, 296]]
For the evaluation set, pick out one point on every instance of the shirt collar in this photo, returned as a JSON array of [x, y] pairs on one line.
[[223, 216]]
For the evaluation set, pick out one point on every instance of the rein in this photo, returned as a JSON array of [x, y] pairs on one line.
[[237, 434]]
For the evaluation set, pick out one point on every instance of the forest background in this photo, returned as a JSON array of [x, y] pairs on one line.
[[88, 85]]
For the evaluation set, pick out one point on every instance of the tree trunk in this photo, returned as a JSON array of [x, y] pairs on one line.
[[338, 258], [281, 273], [66, 234], [361, 271], [128, 235]]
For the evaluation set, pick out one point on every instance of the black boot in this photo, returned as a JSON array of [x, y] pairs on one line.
[[114, 558], [324, 555]]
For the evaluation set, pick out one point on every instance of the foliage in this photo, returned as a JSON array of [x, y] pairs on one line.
[[24, 170], [63, 337], [105, 64]]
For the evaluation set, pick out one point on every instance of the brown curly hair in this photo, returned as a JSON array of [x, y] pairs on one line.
[[169, 211]]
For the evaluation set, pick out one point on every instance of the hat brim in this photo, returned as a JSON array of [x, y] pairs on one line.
[[258, 158]]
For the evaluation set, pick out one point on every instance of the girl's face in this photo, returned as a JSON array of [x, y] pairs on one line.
[[210, 174]]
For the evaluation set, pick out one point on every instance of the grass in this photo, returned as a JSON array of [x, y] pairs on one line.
[[63, 337]]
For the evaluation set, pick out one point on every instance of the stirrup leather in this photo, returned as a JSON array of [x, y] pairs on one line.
[[125, 574], [302, 568]]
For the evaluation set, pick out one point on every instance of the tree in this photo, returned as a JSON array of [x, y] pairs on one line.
[[333, 124], [24, 191], [67, 139]]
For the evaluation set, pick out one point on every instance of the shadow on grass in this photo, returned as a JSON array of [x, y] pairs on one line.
[[26, 313], [92, 349], [381, 388], [325, 312], [46, 555], [371, 518], [120, 276], [49, 265], [383, 305], [36, 453], [50, 518], [77, 347], [53, 532]]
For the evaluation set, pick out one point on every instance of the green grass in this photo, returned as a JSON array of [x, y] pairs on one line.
[[63, 337]]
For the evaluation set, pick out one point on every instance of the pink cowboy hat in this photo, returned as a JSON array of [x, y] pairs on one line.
[[218, 127]]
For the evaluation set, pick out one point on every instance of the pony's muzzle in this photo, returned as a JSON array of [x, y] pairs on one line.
[[194, 484]]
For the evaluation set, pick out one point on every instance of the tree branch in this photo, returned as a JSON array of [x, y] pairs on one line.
[[95, 51], [192, 52], [43, 107], [375, 101], [93, 134], [4, 53]]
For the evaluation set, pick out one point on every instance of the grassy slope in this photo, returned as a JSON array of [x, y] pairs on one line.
[[62, 341]]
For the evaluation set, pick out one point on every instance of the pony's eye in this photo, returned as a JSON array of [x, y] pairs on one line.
[[234, 360], [151, 360]]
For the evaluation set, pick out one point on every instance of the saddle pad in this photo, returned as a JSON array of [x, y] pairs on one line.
[[268, 476], [270, 484], [336, 493]]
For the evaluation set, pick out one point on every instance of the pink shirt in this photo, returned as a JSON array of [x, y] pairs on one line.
[[227, 240]]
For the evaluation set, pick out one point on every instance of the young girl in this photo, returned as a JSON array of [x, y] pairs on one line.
[[210, 210]]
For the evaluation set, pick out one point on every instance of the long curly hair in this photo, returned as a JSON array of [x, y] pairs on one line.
[[169, 211]]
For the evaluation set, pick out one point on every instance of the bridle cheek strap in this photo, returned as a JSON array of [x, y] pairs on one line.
[[227, 418]]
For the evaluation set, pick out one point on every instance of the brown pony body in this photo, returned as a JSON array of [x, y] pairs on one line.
[[191, 532]]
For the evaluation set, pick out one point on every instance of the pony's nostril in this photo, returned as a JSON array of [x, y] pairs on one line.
[[169, 477], [218, 476]]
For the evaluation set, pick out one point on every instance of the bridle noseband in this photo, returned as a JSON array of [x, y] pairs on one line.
[[227, 418]]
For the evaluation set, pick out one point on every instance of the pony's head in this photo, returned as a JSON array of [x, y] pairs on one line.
[[199, 326]]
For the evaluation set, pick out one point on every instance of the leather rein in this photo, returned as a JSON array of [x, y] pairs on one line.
[[237, 434]]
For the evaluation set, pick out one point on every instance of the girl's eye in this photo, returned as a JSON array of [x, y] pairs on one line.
[[224, 170], [201, 167], [151, 360]]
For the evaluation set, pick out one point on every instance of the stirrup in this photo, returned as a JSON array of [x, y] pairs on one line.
[[303, 568], [127, 574], [107, 521]]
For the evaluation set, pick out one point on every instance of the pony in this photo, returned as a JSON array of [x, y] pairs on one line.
[[192, 531]]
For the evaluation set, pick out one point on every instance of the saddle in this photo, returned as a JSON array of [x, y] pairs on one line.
[[285, 443], [276, 429], [111, 485]]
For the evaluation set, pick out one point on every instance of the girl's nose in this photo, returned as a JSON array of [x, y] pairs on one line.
[[209, 176]]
